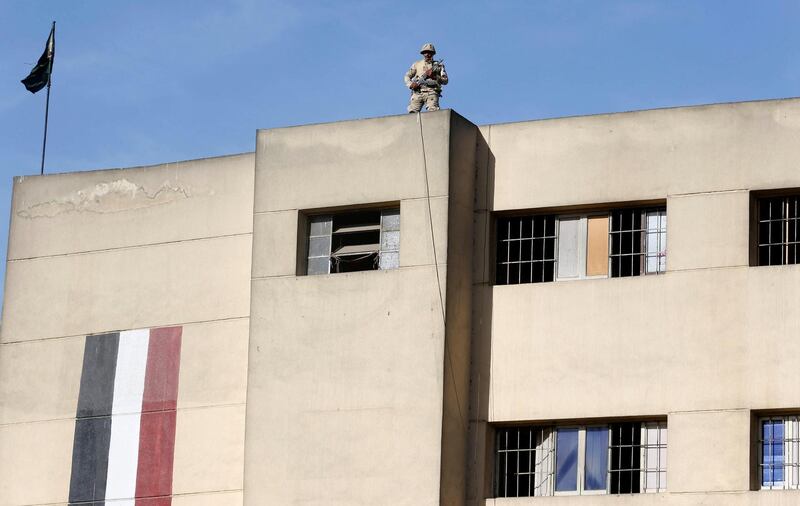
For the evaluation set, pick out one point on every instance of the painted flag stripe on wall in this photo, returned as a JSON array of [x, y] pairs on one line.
[[93, 425], [125, 428], [157, 442], [126, 410]]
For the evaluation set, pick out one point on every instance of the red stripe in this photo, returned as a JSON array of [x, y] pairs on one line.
[[156, 449], [157, 429], [154, 501], [161, 376]]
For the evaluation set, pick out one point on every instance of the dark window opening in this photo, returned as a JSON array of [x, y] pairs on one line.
[[778, 225], [638, 241], [624, 465], [523, 466], [526, 250], [354, 241]]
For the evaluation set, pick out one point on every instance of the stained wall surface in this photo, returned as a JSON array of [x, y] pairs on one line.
[[349, 369], [697, 345], [153, 265]]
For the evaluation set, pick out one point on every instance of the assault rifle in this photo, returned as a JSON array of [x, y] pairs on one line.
[[422, 80]]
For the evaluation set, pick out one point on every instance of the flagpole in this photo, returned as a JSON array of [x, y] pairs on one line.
[[46, 114], [47, 102]]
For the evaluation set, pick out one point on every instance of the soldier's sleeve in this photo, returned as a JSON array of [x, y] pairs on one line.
[[409, 75], [443, 79]]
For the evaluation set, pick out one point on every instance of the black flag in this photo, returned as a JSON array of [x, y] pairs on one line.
[[40, 75]]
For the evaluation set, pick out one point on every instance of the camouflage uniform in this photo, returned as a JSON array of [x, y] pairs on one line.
[[425, 94]]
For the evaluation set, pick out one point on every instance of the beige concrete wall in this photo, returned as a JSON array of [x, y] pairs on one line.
[[117, 250], [349, 401], [685, 341], [704, 344], [708, 230], [713, 441], [645, 154]]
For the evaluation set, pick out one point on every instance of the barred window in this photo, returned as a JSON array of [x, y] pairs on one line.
[[624, 458], [354, 241], [524, 461], [526, 249], [779, 452], [541, 248], [638, 241], [778, 227], [638, 455]]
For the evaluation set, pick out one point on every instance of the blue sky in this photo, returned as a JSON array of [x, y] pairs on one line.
[[145, 82]]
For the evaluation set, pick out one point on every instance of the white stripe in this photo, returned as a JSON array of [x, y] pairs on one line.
[[129, 377], [121, 502], [123, 454]]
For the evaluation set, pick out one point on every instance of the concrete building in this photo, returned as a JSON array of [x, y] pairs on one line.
[[415, 310]]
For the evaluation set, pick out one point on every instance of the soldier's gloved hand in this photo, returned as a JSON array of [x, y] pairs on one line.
[[429, 72], [414, 86]]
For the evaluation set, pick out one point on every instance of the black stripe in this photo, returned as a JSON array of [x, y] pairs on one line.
[[90, 460], [97, 378], [93, 423]]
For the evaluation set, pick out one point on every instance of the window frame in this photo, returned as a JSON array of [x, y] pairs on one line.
[[790, 469], [580, 473], [583, 245], [309, 218], [583, 214], [551, 479], [534, 262], [756, 197], [644, 231]]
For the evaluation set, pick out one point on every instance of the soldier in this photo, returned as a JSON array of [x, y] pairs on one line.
[[425, 79]]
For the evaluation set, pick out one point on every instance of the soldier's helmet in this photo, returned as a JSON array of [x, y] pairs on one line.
[[428, 47]]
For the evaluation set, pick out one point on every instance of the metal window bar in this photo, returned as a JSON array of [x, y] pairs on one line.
[[637, 458], [654, 457], [778, 230], [524, 462], [629, 248], [525, 250], [655, 223], [779, 453]]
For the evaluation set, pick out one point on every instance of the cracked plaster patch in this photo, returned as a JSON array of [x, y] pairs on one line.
[[107, 197]]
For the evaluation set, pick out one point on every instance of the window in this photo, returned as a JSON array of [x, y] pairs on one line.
[[622, 458], [617, 243], [355, 241], [779, 452], [526, 249], [777, 220], [638, 241]]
